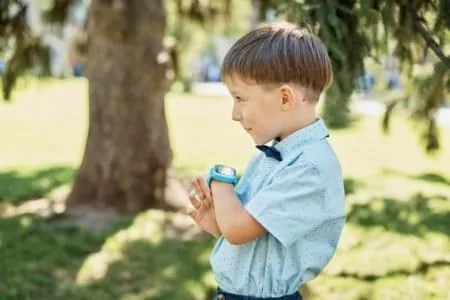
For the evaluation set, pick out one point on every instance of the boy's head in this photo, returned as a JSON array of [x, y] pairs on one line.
[[276, 74]]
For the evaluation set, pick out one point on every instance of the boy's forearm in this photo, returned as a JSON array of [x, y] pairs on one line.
[[215, 233], [228, 209], [214, 230]]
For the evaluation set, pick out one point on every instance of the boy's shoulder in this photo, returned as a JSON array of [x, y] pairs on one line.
[[322, 158], [316, 160], [321, 155]]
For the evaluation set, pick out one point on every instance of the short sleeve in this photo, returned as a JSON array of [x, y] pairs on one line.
[[292, 205]]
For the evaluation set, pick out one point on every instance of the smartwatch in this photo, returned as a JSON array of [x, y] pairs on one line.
[[222, 173]]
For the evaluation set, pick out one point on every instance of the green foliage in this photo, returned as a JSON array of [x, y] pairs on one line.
[[192, 25], [55, 12], [355, 29], [336, 112], [341, 26], [422, 27], [428, 91], [22, 49], [432, 89]]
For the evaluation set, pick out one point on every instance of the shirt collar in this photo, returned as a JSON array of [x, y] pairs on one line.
[[313, 132]]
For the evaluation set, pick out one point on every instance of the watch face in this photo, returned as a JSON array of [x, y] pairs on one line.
[[227, 171]]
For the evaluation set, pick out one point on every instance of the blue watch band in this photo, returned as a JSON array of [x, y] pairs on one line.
[[222, 173]]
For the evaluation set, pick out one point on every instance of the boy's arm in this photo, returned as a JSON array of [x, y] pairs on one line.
[[293, 205], [235, 223], [215, 232], [210, 227]]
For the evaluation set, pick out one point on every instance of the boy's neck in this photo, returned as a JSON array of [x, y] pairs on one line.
[[304, 122]]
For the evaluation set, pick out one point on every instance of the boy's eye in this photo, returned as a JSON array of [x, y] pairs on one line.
[[239, 99]]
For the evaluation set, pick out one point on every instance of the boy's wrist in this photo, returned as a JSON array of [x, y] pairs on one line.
[[215, 185], [219, 189]]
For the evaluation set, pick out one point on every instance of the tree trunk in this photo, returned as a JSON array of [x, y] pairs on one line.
[[347, 68], [127, 151]]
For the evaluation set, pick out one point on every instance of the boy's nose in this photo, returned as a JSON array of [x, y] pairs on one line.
[[236, 115]]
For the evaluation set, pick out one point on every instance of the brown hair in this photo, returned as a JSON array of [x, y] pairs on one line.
[[280, 52]]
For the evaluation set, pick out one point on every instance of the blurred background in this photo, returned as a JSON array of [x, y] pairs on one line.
[[108, 107]]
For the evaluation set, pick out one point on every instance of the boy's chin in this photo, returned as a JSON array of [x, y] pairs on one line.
[[259, 141]]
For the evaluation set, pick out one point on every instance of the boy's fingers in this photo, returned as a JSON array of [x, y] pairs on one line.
[[200, 192], [192, 213], [207, 192], [194, 201], [205, 189], [194, 185], [204, 192], [189, 210]]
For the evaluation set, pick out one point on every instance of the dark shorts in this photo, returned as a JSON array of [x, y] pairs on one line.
[[221, 295]]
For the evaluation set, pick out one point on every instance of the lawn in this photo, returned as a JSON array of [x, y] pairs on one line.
[[395, 245]]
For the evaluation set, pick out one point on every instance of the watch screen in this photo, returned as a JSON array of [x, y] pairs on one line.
[[226, 171]]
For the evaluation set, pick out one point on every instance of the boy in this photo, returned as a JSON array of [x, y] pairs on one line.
[[280, 225]]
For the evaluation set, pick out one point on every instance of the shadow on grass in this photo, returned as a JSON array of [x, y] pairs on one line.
[[39, 256], [429, 177], [42, 260], [417, 215], [351, 185], [17, 186], [170, 269], [432, 178]]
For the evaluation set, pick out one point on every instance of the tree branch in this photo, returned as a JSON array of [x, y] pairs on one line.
[[424, 32]]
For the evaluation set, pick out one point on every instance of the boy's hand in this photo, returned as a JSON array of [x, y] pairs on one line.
[[202, 211], [200, 185]]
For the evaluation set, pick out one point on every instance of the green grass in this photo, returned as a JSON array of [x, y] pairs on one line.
[[395, 244]]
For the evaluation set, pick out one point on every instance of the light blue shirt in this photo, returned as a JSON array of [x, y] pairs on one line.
[[300, 202]]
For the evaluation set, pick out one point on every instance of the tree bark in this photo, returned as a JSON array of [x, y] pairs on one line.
[[127, 152]]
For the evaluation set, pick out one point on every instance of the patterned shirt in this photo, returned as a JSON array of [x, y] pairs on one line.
[[300, 202]]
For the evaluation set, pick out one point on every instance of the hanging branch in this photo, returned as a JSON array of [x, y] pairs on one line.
[[424, 32], [7, 21]]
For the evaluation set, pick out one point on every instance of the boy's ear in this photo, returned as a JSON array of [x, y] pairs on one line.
[[288, 97]]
